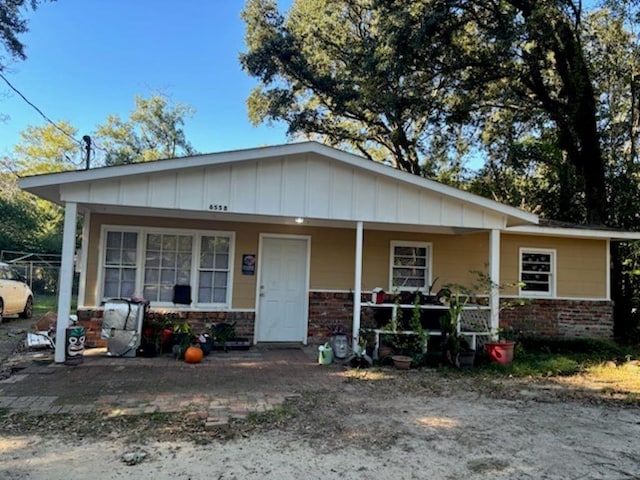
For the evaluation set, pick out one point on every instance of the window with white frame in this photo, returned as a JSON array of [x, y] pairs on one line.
[[410, 265], [162, 259], [168, 259], [213, 270], [120, 263], [537, 272]]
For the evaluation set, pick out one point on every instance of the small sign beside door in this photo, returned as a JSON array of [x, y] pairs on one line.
[[248, 264]]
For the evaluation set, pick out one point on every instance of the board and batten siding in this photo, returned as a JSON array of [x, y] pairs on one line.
[[309, 186]]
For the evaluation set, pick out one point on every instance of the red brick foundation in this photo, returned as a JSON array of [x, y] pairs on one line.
[[329, 311], [91, 319], [563, 319]]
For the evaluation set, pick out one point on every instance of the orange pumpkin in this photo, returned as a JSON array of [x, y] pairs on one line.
[[193, 354]]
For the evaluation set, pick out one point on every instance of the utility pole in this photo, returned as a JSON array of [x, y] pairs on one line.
[[87, 147]]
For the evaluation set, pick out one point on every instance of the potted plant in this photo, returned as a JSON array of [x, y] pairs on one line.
[[402, 362], [225, 338], [182, 339], [359, 358], [501, 350], [455, 349]]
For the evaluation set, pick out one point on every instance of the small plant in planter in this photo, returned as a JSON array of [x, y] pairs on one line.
[[182, 339], [454, 347], [410, 345], [501, 350], [225, 338], [359, 357], [152, 337]]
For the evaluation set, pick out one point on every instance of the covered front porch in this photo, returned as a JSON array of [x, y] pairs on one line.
[[290, 240]]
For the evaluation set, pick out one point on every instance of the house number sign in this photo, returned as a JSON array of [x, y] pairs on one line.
[[216, 207]]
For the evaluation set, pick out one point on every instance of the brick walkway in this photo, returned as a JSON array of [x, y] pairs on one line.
[[223, 387]]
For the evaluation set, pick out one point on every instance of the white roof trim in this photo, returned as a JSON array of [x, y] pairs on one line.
[[54, 180], [573, 232]]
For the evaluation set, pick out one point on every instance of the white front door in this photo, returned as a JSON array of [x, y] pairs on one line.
[[282, 290]]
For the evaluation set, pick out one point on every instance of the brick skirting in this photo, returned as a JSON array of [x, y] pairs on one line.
[[562, 319], [329, 311], [91, 320]]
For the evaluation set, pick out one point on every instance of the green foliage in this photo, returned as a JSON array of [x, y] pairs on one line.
[[352, 73], [46, 149], [539, 357], [537, 366], [12, 25], [432, 83], [153, 131]]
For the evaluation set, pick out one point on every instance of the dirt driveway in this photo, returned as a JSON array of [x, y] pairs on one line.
[[378, 424]]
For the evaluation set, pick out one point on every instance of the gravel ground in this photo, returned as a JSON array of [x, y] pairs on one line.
[[374, 423]]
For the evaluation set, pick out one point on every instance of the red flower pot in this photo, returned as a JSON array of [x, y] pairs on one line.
[[500, 352]]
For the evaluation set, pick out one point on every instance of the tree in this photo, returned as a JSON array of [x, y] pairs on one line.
[[394, 74], [19, 218], [47, 149], [356, 73], [614, 53], [31, 224], [12, 25], [153, 131]]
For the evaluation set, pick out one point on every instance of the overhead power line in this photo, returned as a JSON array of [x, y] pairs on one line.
[[55, 125]]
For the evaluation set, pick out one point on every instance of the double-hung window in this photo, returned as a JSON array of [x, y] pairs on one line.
[[168, 259], [120, 264], [213, 269], [410, 265], [151, 262], [537, 272]]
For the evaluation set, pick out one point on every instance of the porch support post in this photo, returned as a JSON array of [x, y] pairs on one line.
[[84, 252], [494, 276], [357, 291], [65, 281]]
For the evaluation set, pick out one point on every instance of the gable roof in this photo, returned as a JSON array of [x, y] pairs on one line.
[[306, 179]]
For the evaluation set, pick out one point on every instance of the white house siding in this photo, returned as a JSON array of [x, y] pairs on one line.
[[309, 186]]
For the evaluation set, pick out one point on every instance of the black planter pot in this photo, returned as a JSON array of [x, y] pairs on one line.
[[466, 358]]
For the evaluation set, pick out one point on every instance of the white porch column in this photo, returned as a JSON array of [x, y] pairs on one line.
[[494, 275], [84, 253], [357, 291], [65, 281]]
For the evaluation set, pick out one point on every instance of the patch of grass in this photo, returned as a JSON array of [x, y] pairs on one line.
[[624, 378], [49, 303], [275, 416], [540, 358], [601, 350]]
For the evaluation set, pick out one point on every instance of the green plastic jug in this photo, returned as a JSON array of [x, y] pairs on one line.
[[325, 354]]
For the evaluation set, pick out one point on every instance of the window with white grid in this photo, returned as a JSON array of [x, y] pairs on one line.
[[537, 272], [410, 265]]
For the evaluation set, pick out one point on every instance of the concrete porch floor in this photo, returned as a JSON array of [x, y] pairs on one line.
[[226, 385]]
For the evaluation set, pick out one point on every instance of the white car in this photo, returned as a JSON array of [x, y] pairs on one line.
[[15, 295]]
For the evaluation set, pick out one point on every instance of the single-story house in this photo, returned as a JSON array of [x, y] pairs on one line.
[[289, 240]]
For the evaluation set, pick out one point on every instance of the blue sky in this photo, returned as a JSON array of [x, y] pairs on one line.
[[89, 58]]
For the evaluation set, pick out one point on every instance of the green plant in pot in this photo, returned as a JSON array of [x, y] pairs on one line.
[[454, 346], [412, 345], [182, 339], [222, 334], [501, 350]]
